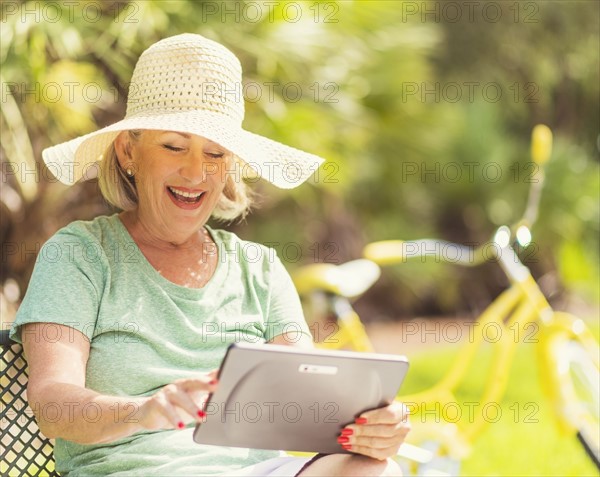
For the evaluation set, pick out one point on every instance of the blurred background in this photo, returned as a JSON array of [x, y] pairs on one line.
[[423, 110]]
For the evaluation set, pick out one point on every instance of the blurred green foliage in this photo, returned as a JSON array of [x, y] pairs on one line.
[[424, 117]]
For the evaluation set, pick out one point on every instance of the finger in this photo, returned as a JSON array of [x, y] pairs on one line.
[[167, 410], [199, 398], [379, 454], [371, 442], [386, 436], [203, 400], [182, 399], [374, 430], [213, 374], [390, 414], [201, 383]]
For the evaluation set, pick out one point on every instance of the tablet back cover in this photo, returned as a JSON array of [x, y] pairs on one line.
[[285, 398]]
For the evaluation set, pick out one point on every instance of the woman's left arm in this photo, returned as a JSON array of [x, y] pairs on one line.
[[285, 323]]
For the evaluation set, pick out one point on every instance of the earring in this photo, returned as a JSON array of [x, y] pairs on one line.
[[129, 172]]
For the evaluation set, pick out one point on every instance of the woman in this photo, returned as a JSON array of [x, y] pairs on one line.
[[126, 317]]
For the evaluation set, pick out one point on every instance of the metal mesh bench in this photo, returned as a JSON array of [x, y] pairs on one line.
[[24, 450]]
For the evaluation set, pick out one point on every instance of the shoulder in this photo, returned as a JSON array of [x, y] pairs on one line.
[[81, 239], [97, 229]]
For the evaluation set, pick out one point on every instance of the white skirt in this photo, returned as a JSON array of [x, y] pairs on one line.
[[279, 466]]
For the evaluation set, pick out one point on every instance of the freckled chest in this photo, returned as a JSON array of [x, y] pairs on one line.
[[190, 267]]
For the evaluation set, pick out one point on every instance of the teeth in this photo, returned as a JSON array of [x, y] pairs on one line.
[[190, 195]]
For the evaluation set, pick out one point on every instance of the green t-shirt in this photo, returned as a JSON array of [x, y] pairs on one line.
[[145, 332]]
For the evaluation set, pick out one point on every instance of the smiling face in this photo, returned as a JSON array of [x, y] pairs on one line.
[[179, 180]]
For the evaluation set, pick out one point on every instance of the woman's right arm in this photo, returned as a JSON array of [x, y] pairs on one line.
[[66, 409]]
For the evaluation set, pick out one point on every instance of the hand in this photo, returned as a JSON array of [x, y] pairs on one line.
[[377, 433], [177, 404]]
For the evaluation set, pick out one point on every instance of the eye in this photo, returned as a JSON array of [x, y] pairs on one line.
[[172, 148], [215, 155]]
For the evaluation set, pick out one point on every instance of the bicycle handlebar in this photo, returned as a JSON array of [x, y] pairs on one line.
[[389, 252]]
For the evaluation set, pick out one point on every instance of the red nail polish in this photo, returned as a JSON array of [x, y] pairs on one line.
[[181, 425], [343, 439], [347, 446], [361, 420], [201, 414], [347, 432], [212, 382]]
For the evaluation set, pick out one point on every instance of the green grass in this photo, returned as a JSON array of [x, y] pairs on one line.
[[523, 444]]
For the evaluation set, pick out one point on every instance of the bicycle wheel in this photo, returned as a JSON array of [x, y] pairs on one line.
[[580, 389]]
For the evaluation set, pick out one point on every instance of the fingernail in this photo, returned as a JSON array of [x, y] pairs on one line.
[[343, 439], [201, 414], [181, 425], [347, 431], [347, 446], [361, 420]]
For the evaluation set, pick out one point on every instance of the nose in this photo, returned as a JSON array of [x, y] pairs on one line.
[[196, 169]]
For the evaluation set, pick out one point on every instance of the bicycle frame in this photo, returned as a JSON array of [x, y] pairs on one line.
[[512, 314], [328, 285], [564, 344]]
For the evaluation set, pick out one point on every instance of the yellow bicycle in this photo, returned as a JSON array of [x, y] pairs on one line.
[[568, 352]]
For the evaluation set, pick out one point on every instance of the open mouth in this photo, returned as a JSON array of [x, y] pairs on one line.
[[185, 198]]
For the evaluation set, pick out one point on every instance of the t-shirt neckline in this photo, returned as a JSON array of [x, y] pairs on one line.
[[186, 292]]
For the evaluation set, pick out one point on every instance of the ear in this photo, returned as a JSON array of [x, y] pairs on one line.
[[123, 148]]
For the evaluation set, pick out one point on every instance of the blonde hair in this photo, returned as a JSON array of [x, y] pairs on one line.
[[120, 190]]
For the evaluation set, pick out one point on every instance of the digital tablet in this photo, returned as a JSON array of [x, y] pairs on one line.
[[294, 399]]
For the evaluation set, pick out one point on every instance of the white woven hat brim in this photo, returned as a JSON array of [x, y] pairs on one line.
[[284, 166]]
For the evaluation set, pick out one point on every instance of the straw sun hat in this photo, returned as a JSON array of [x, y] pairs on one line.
[[190, 84]]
